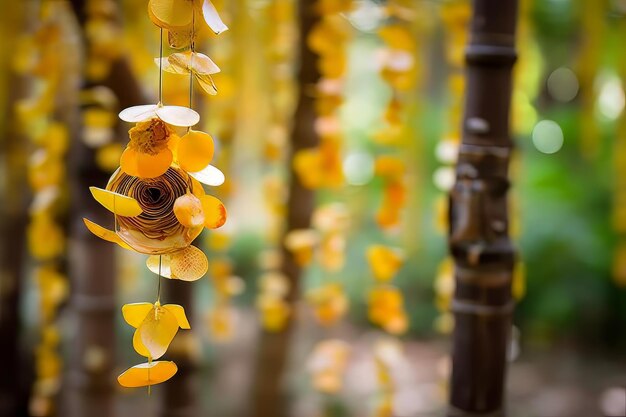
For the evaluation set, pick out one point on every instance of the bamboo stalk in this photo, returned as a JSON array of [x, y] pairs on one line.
[[13, 219], [269, 398], [478, 236]]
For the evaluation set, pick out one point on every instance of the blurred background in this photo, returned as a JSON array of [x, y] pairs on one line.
[[383, 95]]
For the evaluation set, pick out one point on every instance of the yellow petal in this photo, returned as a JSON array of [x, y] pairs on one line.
[[207, 84], [135, 313], [384, 261], [209, 176], [189, 210], [195, 151], [106, 234], [138, 113], [164, 268], [179, 313], [146, 374], [212, 18], [189, 264], [178, 115], [157, 331], [116, 203], [172, 12], [214, 212]]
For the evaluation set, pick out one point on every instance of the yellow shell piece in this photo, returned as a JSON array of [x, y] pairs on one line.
[[384, 261], [397, 37], [220, 322], [128, 162], [46, 239], [116, 203], [146, 374], [329, 303], [195, 151], [178, 312], [135, 313], [151, 166], [274, 312], [386, 309], [188, 210], [189, 264], [207, 84], [185, 62], [160, 265], [171, 13], [214, 212], [138, 345], [197, 188], [157, 331], [104, 233]]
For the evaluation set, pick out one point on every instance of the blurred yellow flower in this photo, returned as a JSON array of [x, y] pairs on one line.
[[329, 303]]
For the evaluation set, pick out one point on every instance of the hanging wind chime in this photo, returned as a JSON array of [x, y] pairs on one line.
[[156, 195]]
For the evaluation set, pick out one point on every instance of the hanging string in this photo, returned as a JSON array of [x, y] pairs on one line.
[[159, 285], [161, 67], [193, 49]]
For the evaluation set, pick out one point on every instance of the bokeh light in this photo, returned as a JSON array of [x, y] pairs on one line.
[[358, 167], [547, 137], [563, 84]]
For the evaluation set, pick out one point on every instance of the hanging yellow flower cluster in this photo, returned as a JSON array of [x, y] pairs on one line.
[[455, 17], [39, 58], [98, 116], [279, 54], [327, 365], [102, 33], [388, 356], [397, 64], [156, 196], [392, 170], [325, 242], [320, 167], [271, 303], [385, 301], [226, 285], [444, 291], [280, 58]]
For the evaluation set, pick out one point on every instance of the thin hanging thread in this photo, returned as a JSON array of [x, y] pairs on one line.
[[159, 285], [161, 67], [192, 48], [114, 215]]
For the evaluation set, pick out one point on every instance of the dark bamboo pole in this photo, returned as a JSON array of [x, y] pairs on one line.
[[16, 376], [269, 399], [13, 220], [479, 240]]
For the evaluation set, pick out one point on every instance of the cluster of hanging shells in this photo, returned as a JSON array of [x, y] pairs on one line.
[[157, 196]]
